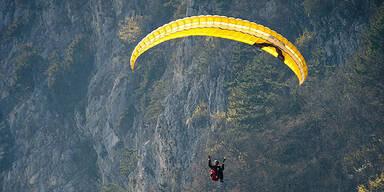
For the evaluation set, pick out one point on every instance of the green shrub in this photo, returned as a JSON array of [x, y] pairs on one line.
[[254, 91], [177, 7], [112, 187], [317, 7], [13, 30], [129, 158], [150, 70], [125, 121], [223, 6], [375, 185], [155, 105], [29, 65], [130, 28], [68, 78], [199, 116]]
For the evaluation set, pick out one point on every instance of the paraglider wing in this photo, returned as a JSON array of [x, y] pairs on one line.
[[228, 28]]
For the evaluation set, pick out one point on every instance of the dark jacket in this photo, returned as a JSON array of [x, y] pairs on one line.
[[218, 169]]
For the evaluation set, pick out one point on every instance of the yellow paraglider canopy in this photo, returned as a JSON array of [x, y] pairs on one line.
[[228, 28]]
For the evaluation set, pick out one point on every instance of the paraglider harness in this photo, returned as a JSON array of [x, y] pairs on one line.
[[214, 176], [216, 170]]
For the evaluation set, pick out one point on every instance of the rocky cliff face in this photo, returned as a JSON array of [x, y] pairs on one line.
[[104, 139]]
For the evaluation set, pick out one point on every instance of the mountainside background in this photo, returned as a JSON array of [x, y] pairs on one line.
[[74, 117]]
